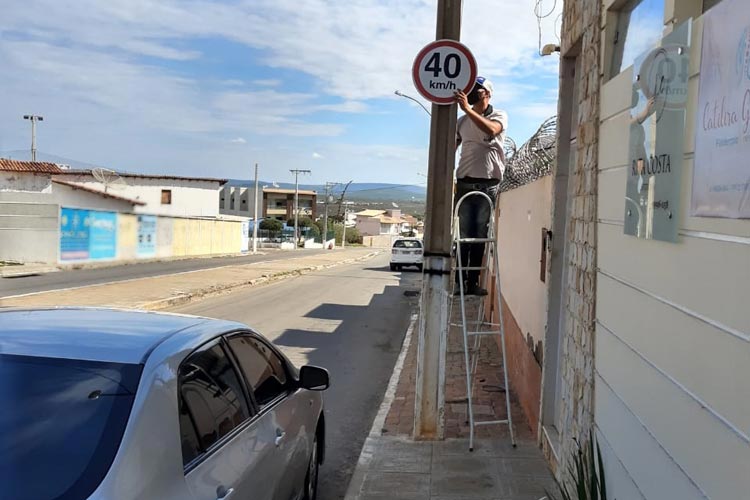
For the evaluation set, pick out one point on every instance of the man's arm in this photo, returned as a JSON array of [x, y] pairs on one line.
[[487, 126]]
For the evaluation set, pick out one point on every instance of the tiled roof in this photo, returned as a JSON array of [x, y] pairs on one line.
[[38, 167], [97, 192], [384, 219], [370, 213]]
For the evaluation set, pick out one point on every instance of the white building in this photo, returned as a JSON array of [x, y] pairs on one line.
[[161, 194], [239, 201], [378, 222]]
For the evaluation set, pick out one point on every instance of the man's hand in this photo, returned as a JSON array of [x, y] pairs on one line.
[[463, 101]]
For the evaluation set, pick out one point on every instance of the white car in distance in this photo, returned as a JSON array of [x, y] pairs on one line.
[[406, 252]]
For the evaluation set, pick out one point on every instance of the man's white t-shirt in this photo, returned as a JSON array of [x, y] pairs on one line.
[[482, 155]]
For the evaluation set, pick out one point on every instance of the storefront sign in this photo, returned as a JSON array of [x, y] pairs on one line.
[[146, 236], [103, 235], [721, 177], [657, 128], [74, 234]]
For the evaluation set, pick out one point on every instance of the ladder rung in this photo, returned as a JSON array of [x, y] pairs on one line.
[[490, 422], [476, 240], [474, 334], [470, 268], [475, 322]]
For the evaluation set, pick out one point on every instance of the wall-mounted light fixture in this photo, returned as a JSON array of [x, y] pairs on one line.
[[550, 49]]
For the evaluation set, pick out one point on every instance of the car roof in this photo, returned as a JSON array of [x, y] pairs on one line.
[[97, 334]]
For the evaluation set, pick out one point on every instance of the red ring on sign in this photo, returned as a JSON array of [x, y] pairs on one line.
[[434, 45]]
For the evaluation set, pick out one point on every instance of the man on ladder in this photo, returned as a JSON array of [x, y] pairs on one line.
[[481, 134]]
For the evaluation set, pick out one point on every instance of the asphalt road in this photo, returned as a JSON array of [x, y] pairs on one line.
[[84, 277], [349, 319]]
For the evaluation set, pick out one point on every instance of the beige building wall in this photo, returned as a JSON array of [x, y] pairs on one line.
[[672, 350], [523, 213]]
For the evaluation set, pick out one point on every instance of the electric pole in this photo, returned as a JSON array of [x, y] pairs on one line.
[[255, 213], [433, 317], [296, 173], [343, 236], [329, 186], [34, 119]]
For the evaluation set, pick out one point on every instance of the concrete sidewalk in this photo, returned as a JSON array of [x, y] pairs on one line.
[[393, 466], [161, 292]]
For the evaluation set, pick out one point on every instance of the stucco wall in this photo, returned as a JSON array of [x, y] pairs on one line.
[[25, 181], [29, 232], [189, 198]]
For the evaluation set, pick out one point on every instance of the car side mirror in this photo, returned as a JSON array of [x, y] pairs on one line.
[[313, 378]]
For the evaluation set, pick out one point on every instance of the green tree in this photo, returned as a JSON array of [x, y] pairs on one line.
[[271, 225], [302, 222]]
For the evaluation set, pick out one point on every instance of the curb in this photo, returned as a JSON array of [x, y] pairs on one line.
[[369, 446], [185, 298]]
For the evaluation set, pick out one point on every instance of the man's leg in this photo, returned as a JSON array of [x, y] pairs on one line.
[[466, 220], [483, 212]]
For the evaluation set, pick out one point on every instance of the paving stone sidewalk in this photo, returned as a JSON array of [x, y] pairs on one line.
[[393, 466], [160, 292]]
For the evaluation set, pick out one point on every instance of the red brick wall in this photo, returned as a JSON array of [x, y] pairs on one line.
[[524, 373]]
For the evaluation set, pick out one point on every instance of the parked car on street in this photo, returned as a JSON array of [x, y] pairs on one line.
[[406, 252], [111, 404]]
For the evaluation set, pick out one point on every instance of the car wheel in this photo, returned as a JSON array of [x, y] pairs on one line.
[[393, 267], [311, 481]]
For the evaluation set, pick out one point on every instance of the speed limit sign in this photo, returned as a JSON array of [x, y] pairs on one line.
[[442, 68]]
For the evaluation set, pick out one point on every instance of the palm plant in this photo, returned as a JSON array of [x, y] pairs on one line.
[[587, 475]]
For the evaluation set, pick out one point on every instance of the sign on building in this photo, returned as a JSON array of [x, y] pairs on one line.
[[721, 176], [657, 129]]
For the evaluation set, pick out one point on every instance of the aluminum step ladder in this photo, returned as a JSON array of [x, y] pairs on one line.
[[480, 328]]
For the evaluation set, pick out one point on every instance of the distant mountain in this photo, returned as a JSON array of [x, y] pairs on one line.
[[364, 191]]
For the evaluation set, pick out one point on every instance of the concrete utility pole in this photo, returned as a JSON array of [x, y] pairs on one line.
[[296, 173], [34, 119], [433, 316], [343, 236], [255, 213], [329, 186]]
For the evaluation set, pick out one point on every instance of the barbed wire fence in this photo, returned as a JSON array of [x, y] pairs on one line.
[[533, 160]]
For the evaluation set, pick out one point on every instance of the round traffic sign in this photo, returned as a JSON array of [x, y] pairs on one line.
[[442, 68]]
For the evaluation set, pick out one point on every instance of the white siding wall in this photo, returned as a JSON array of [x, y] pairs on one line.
[[189, 198], [673, 334]]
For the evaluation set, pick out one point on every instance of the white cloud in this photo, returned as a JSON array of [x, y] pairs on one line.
[[267, 83], [238, 140], [317, 156], [94, 65]]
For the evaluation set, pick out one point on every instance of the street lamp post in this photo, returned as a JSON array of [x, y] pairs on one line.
[[401, 94], [34, 119]]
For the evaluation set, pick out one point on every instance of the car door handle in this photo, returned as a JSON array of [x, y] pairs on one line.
[[279, 437], [227, 494]]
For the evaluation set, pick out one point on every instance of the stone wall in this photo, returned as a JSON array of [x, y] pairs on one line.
[[581, 23]]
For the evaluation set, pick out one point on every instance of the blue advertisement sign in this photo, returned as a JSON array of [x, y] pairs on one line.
[[103, 235], [146, 236], [74, 234]]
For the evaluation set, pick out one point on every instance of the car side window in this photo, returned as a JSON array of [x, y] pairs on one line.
[[212, 400], [264, 370]]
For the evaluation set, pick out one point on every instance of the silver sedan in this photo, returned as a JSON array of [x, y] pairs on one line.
[[109, 404]]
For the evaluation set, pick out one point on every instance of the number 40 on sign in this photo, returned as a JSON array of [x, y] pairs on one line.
[[442, 68]]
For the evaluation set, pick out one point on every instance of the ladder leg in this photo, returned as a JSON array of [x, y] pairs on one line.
[[466, 350], [498, 290]]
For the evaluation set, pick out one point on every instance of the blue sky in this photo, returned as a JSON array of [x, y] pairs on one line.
[[208, 88]]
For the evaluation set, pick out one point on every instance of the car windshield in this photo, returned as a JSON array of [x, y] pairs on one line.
[[407, 244], [61, 422]]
